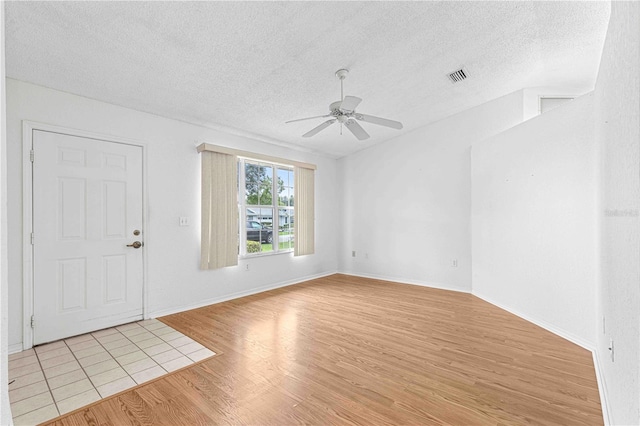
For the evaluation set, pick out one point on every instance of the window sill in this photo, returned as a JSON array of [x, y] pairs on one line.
[[265, 254]]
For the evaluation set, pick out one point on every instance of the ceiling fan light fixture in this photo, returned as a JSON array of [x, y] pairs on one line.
[[344, 112]]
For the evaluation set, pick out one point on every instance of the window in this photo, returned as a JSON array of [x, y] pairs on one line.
[[258, 190], [267, 221]]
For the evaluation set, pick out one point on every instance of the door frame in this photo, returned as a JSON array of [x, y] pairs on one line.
[[28, 127]]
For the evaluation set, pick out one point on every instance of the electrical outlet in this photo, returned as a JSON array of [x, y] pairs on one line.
[[184, 221], [454, 263], [611, 350], [353, 253], [246, 267]]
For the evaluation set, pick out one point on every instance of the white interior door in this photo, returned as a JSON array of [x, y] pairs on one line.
[[87, 207]]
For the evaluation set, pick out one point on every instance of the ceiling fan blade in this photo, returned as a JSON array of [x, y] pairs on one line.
[[308, 118], [356, 129], [319, 128], [349, 103], [379, 121]]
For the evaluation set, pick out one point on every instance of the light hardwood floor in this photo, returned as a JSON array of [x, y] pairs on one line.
[[346, 350]]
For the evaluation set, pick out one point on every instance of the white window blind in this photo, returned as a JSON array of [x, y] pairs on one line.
[[219, 210], [304, 242]]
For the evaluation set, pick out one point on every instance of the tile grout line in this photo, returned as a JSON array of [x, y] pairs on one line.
[[219, 352], [175, 372], [163, 341], [82, 368], [112, 357], [48, 388], [85, 371], [118, 362], [121, 365], [147, 356]]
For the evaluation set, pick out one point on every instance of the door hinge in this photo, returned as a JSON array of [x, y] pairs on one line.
[[33, 322], [31, 155], [32, 238]]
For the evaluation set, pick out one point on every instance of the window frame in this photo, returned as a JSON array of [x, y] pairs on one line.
[[274, 206]]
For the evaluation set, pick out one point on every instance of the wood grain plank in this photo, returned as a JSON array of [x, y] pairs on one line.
[[353, 351]]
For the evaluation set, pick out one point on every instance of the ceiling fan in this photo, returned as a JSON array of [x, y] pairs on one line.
[[344, 112]]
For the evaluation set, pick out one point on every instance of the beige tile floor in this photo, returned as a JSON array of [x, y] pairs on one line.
[[59, 377]]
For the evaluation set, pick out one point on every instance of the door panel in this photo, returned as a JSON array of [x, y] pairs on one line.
[[87, 201], [72, 285]]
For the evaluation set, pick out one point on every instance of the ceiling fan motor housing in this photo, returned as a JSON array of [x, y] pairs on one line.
[[335, 107]]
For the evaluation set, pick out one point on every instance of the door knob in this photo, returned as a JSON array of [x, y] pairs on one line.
[[135, 244]]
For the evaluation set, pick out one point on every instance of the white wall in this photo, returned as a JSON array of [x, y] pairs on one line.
[[175, 281], [5, 408], [528, 226], [534, 220], [617, 120], [406, 203]]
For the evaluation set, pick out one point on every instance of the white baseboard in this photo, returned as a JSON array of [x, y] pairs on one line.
[[439, 286], [14, 348], [602, 388], [213, 301], [590, 346]]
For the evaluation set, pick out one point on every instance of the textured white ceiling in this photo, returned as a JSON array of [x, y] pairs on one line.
[[250, 66]]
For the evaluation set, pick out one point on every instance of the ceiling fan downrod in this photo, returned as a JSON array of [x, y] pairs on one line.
[[342, 74]]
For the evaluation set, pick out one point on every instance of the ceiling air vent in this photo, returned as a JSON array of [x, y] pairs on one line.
[[458, 76]]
